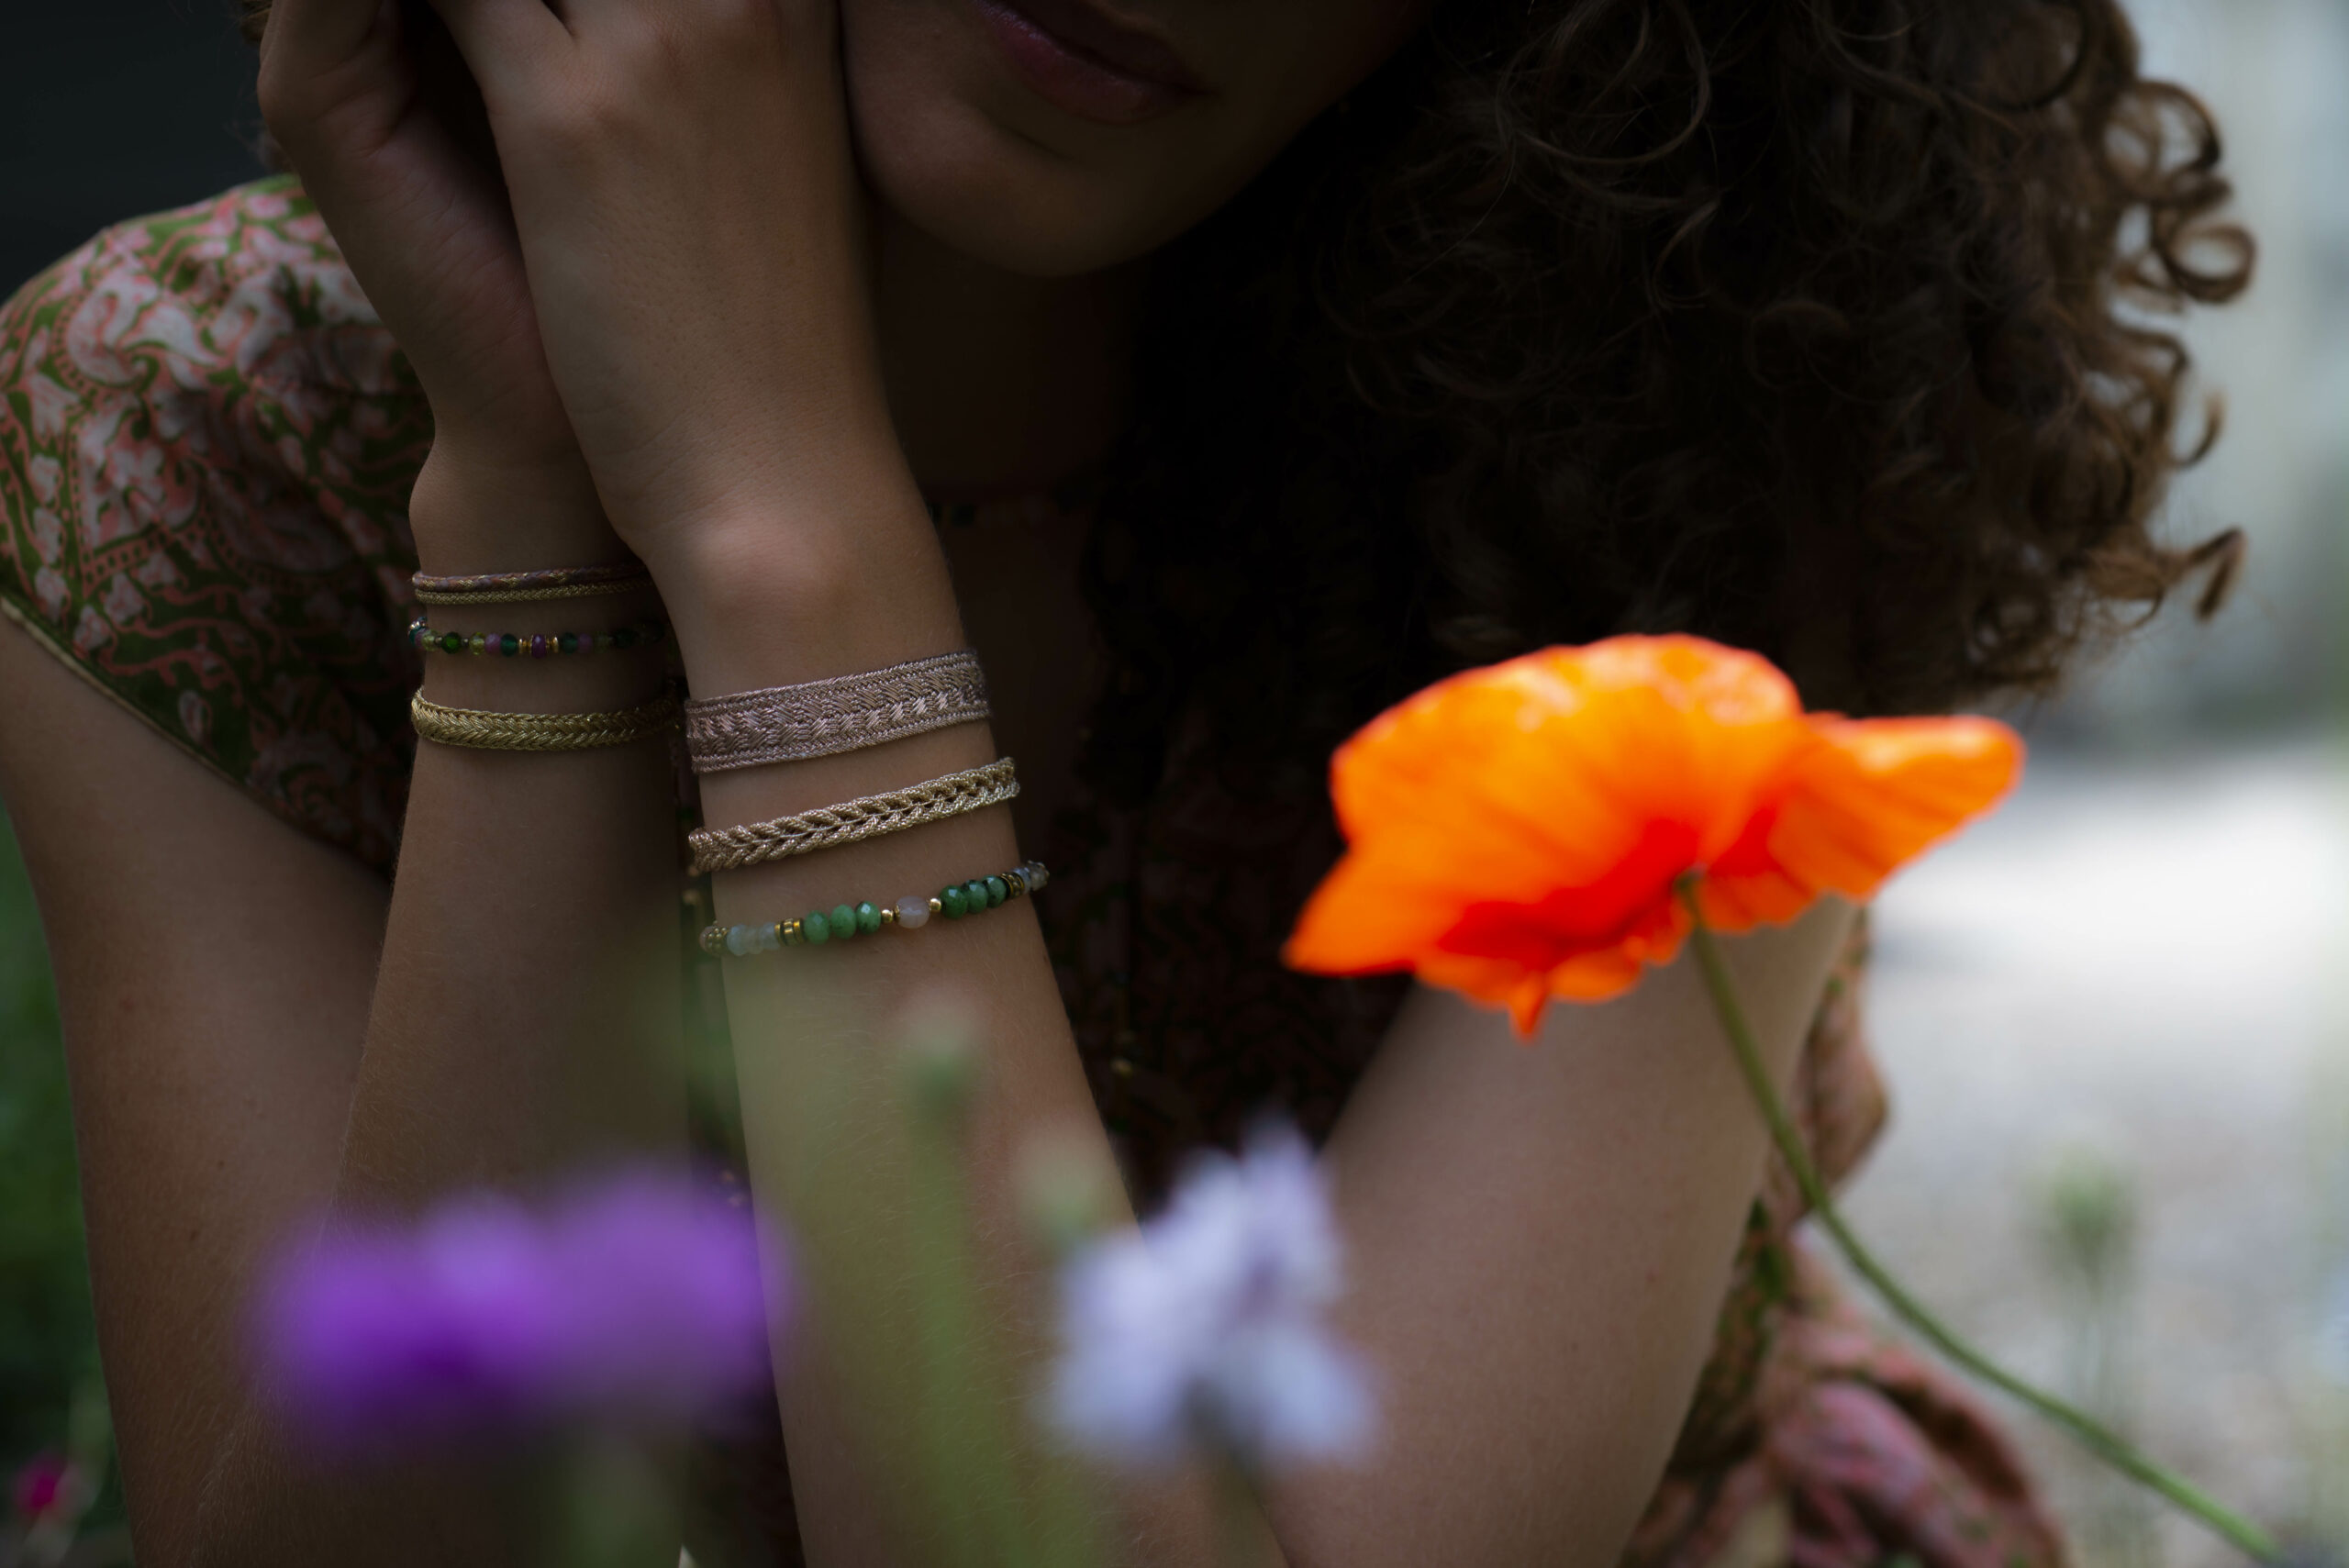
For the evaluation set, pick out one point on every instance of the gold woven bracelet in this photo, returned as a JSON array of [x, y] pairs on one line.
[[853, 821], [542, 731]]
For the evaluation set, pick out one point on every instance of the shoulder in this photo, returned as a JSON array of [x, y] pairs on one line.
[[205, 468], [247, 282]]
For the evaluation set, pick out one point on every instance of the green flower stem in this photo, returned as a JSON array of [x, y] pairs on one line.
[[2091, 1434]]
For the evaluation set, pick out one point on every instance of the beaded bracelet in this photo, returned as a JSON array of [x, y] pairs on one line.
[[844, 922], [649, 632]]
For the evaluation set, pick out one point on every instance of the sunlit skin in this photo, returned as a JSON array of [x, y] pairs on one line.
[[747, 308]]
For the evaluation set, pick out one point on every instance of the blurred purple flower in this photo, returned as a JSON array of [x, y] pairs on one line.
[[1205, 1327], [640, 1300]]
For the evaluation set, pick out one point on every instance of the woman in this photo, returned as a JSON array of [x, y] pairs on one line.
[[1217, 372]]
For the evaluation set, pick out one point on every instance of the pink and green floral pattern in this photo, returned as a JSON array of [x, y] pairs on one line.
[[207, 444]]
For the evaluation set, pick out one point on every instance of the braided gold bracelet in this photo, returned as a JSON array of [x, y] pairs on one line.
[[853, 821], [540, 732]]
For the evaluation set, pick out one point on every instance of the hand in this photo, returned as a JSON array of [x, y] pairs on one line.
[[371, 107], [690, 213]]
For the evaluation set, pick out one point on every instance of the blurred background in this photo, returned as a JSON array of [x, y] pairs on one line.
[[2114, 1018]]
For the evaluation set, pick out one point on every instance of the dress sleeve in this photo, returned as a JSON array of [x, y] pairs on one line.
[[207, 441]]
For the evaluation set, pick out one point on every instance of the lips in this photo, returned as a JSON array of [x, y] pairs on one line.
[[1089, 63]]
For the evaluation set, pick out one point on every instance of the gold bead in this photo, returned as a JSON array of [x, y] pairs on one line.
[[936, 908], [888, 913], [713, 940]]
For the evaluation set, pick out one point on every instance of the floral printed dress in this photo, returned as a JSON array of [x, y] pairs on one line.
[[206, 445]]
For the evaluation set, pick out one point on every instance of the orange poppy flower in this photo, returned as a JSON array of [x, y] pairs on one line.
[[1517, 833]]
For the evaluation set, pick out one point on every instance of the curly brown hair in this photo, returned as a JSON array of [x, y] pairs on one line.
[[1831, 328]]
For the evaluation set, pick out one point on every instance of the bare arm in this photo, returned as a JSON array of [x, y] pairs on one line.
[[236, 1066], [213, 969], [258, 1028]]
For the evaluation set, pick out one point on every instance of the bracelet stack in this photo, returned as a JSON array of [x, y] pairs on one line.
[[478, 729], [781, 724], [825, 719], [846, 922]]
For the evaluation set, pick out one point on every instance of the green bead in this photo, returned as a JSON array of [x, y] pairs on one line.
[[868, 918], [450, 642], [816, 927], [568, 642], [509, 645], [843, 921], [624, 639], [977, 892], [479, 645], [952, 901], [997, 891]]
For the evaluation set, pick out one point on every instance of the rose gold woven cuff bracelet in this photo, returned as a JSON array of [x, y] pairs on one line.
[[847, 713]]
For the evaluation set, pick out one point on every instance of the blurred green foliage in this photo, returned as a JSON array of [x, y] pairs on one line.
[[48, 1343]]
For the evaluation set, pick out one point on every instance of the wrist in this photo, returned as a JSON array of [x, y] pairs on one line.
[[476, 511], [794, 590]]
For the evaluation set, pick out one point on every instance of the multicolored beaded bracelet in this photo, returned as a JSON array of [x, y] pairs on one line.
[[650, 632], [847, 921]]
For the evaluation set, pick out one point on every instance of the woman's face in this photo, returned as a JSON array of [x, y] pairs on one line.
[[1059, 137]]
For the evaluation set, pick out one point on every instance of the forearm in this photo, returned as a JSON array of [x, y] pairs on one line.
[[835, 1141], [526, 1014], [525, 1024]]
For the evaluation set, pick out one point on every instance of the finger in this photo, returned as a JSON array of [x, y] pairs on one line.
[[508, 45]]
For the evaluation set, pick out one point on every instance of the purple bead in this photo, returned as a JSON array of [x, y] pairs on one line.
[[539, 646]]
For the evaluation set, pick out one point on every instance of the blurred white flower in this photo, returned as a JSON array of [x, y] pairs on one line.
[[1205, 1327]]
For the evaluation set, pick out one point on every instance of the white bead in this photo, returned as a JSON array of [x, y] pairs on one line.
[[913, 914], [739, 939], [1036, 874]]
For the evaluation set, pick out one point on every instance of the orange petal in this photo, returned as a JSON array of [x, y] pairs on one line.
[[1367, 917], [1870, 797], [1500, 819]]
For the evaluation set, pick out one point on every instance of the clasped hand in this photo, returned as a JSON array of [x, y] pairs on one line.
[[649, 317]]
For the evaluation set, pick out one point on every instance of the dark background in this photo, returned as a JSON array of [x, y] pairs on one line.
[[112, 108]]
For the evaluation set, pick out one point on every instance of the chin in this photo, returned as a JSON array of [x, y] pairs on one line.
[[955, 147], [943, 167]]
